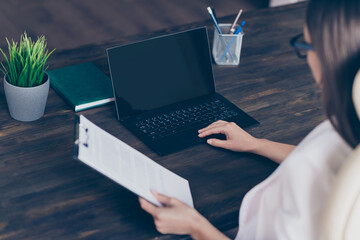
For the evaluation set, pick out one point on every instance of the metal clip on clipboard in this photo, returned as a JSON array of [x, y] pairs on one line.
[[77, 141]]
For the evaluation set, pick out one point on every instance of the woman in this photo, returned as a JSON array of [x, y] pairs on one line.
[[289, 203]]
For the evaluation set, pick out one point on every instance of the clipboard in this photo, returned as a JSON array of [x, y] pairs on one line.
[[125, 165], [76, 137]]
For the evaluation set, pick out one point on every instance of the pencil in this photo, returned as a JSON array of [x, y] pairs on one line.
[[232, 29]]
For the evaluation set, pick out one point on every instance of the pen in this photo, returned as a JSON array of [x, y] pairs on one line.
[[214, 13], [214, 19], [232, 29], [219, 30], [240, 28], [232, 41]]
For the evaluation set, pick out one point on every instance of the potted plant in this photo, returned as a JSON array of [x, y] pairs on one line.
[[26, 83]]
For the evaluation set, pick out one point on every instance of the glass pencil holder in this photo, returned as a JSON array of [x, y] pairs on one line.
[[227, 46]]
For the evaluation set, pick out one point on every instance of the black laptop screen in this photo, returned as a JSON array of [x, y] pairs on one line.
[[161, 71]]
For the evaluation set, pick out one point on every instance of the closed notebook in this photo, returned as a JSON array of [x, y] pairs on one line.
[[83, 86]]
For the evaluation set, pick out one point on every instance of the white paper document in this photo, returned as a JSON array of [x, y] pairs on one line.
[[127, 166]]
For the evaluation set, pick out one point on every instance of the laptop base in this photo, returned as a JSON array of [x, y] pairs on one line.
[[187, 137]]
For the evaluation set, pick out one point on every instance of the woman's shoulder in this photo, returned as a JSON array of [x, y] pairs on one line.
[[324, 132], [322, 146]]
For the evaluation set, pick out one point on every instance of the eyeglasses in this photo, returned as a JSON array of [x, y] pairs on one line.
[[300, 45]]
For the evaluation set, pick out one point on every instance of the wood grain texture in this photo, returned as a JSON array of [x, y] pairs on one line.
[[69, 24], [45, 194]]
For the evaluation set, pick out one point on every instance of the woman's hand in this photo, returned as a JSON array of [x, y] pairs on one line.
[[175, 217], [236, 138], [178, 218], [239, 140]]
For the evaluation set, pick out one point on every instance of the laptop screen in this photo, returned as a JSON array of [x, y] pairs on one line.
[[160, 71]]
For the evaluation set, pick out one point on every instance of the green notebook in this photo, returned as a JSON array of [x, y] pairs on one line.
[[83, 86]]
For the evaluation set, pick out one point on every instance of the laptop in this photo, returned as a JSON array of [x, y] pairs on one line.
[[165, 92]]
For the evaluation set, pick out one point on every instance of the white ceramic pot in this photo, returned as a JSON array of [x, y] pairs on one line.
[[26, 103]]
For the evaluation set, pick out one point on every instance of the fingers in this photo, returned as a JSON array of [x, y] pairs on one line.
[[162, 198], [219, 122], [212, 124], [213, 130], [218, 143], [148, 207], [173, 217], [153, 210]]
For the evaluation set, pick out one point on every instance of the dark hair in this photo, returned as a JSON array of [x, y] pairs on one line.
[[334, 28]]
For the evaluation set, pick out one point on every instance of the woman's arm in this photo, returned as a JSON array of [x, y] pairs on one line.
[[239, 140], [273, 150], [178, 218]]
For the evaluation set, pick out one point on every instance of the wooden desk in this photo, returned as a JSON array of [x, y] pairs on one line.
[[45, 194]]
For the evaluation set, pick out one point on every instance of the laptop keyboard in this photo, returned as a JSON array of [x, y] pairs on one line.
[[176, 121]]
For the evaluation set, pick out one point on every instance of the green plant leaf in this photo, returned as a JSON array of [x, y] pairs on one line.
[[4, 70], [25, 63]]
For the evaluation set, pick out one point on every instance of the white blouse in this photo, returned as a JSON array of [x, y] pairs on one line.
[[289, 203]]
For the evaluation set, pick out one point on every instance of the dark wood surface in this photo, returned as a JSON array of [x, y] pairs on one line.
[[45, 194], [69, 24]]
